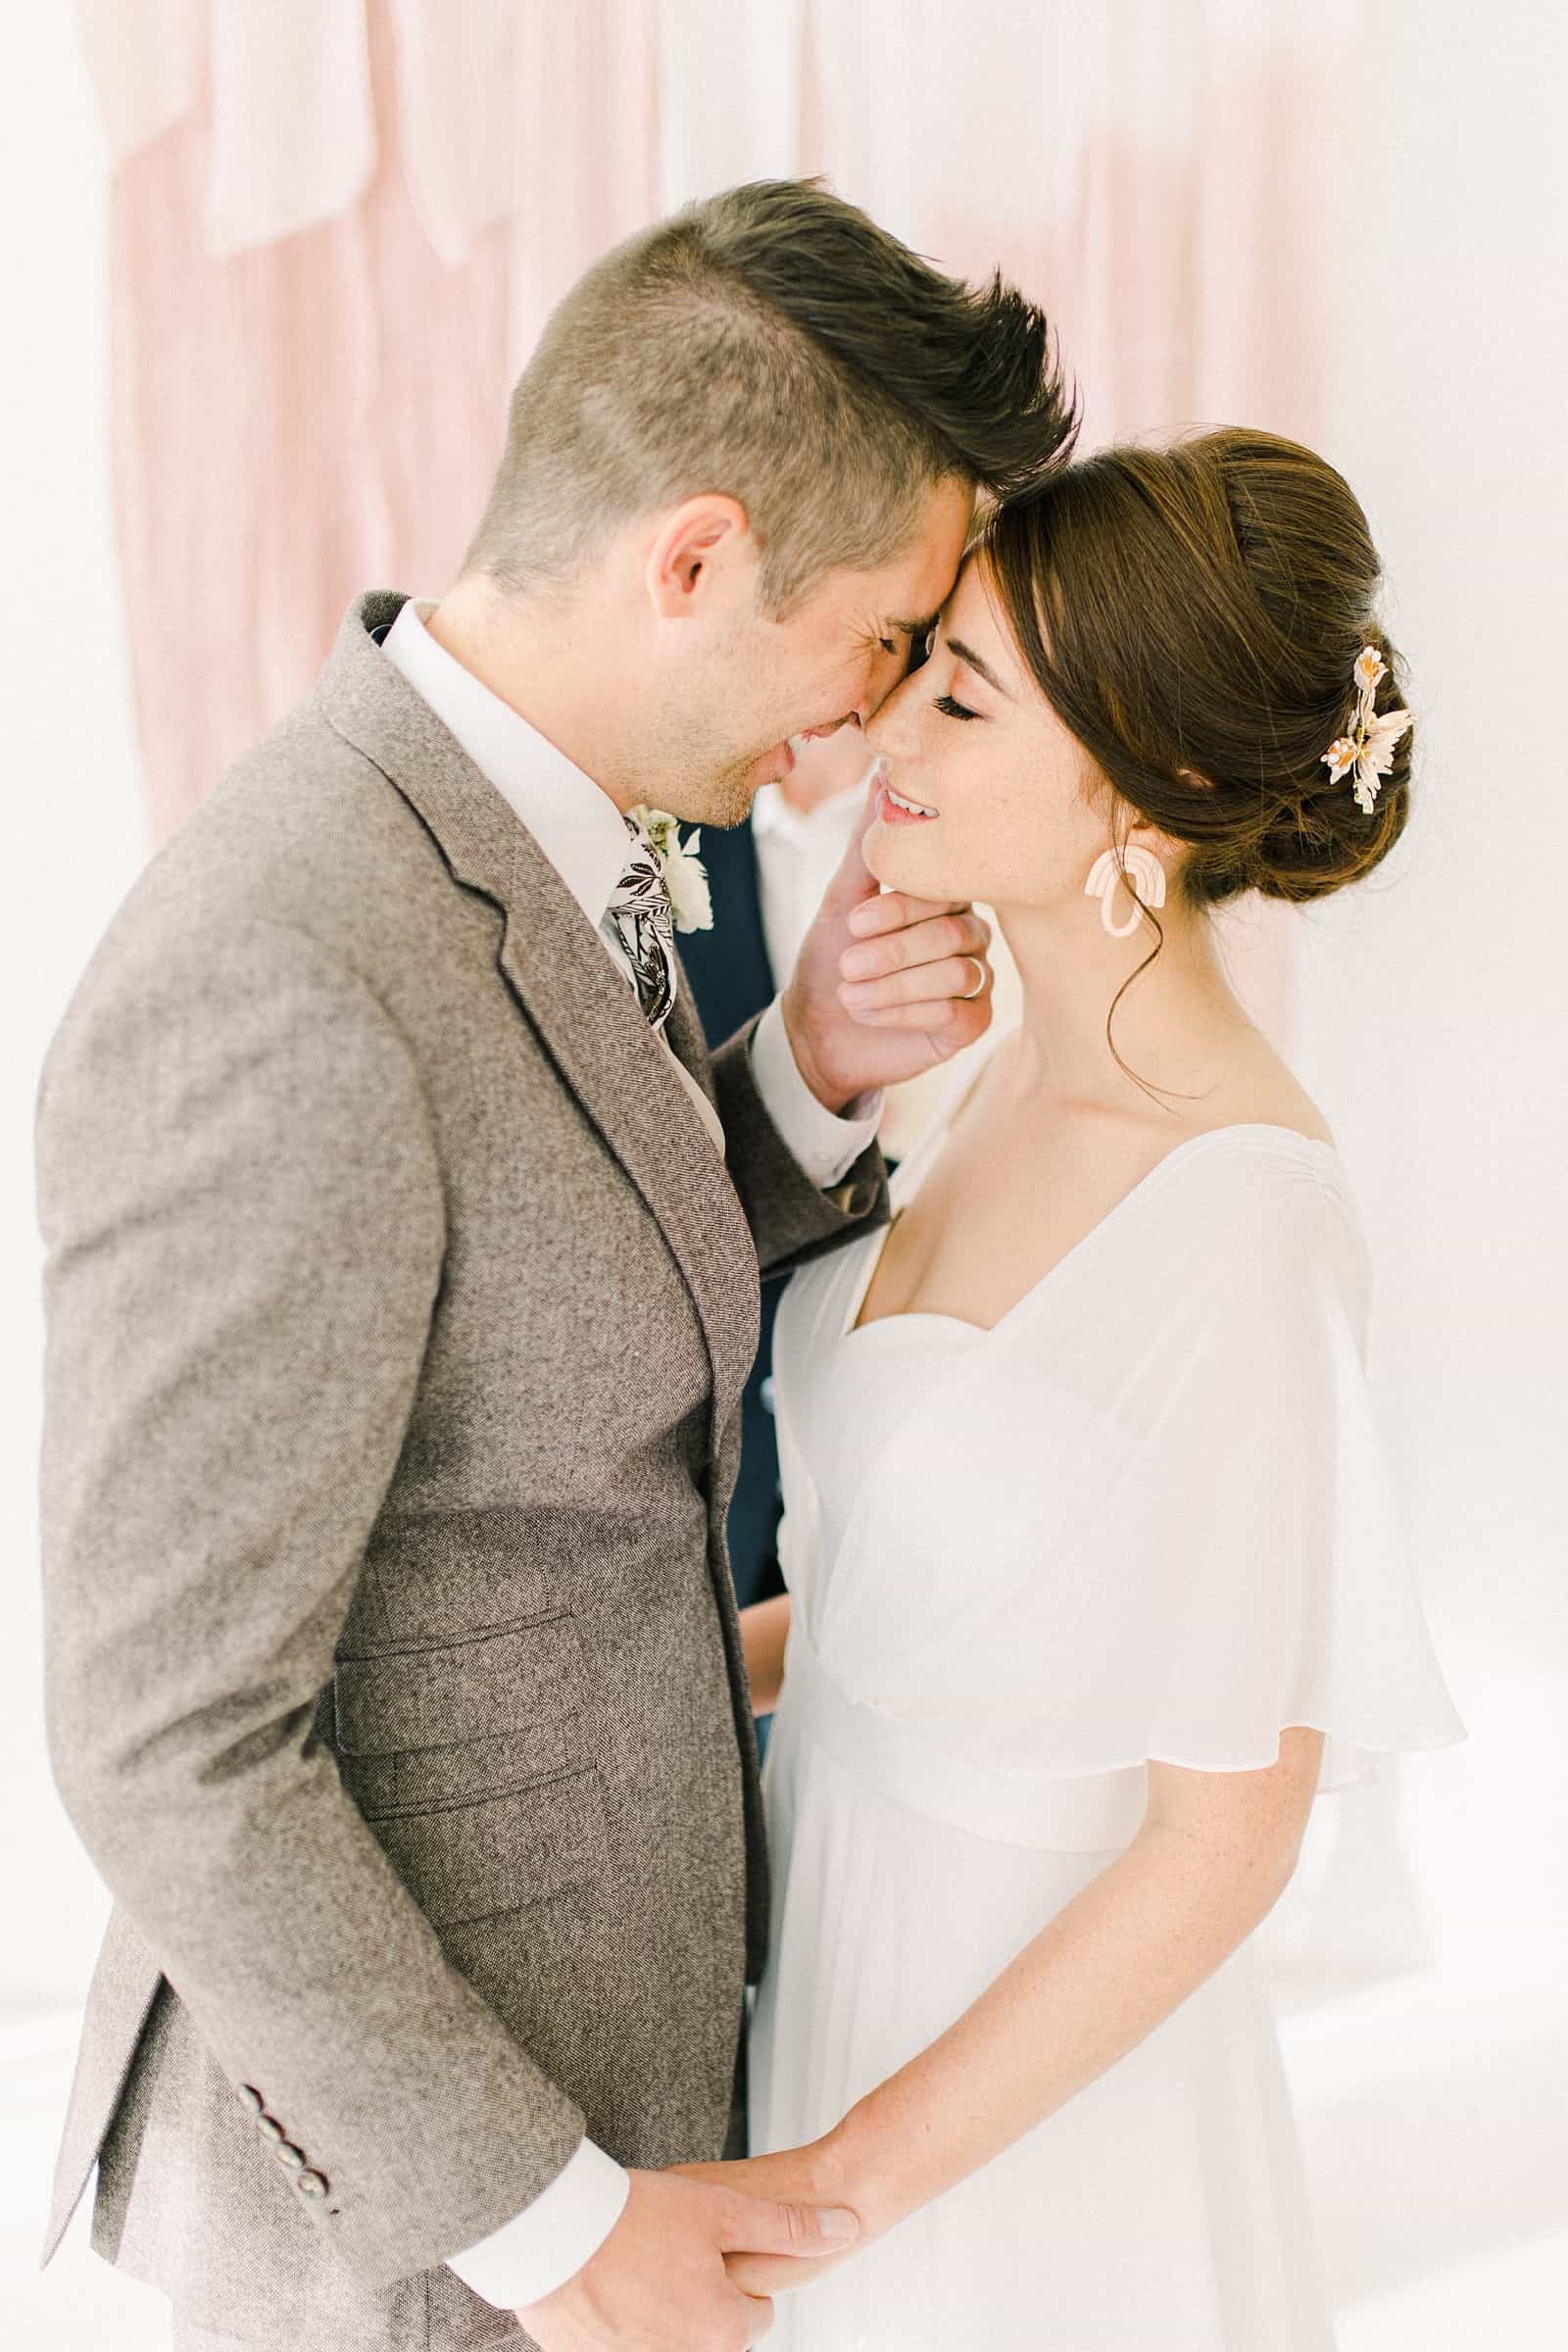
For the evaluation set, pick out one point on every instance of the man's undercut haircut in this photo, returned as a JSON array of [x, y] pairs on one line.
[[772, 344]]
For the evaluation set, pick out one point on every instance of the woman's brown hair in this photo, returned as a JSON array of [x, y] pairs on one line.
[[1192, 615]]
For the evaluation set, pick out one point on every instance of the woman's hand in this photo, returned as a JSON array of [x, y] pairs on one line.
[[813, 2175]]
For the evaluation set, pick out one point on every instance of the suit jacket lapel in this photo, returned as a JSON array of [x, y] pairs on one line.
[[565, 986]]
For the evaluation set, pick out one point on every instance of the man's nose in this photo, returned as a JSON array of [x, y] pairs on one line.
[[888, 731], [883, 680]]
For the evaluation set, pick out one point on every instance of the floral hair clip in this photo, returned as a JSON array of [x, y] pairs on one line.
[[1370, 746]]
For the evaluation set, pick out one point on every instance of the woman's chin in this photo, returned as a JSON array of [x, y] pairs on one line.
[[899, 863]]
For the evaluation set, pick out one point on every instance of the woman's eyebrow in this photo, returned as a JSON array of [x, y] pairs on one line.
[[983, 669]]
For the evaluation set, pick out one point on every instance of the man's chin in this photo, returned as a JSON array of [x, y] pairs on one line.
[[723, 802], [725, 799], [769, 767], [730, 797]]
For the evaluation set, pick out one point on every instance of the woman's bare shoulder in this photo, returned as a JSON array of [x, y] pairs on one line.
[[1261, 1090]]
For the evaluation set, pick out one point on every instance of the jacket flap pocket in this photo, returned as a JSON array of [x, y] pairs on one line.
[[464, 1690], [413, 1779], [468, 1862]]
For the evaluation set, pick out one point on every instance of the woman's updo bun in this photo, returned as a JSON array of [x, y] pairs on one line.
[[1194, 615]]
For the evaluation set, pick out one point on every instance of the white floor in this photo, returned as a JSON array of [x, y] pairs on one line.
[[1425, 2023]]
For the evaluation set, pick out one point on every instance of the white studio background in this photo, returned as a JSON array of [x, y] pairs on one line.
[[74, 839], [1432, 1020], [1433, 1015]]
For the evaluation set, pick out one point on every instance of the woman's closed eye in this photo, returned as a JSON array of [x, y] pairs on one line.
[[951, 709]]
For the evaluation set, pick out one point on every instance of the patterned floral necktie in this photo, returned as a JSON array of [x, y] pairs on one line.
[[639, 917]]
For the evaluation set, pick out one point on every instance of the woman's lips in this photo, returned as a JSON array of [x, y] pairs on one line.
[[900, 811]]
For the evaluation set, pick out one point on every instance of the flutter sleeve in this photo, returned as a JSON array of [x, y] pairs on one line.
[[1258, 1577]]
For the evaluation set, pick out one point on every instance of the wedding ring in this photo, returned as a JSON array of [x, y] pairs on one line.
[[979, 984]]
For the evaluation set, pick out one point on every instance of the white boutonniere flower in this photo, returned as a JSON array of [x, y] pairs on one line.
[[691, 901]]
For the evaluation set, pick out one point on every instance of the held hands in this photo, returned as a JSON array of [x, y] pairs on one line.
[[877, 990], [810, 2177], [660, 2281]]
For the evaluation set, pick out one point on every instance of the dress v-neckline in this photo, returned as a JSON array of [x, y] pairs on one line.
[[1325, 1156]]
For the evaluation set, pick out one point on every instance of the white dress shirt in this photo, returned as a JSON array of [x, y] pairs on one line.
[[583, 833]]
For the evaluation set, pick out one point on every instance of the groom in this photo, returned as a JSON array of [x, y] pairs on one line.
[[403, 1250]]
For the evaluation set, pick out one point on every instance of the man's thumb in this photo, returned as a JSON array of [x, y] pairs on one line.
[[767, 2226], [855, 880]]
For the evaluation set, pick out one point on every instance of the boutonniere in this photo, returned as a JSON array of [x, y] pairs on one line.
[[691, 901]]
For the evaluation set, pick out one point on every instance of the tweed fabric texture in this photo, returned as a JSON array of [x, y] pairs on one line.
[[398, 1311]]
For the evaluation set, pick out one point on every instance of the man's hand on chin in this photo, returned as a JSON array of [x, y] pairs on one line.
[[659, 2282], [884, 986]]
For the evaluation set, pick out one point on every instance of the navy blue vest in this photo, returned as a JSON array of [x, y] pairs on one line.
[[731, 979]]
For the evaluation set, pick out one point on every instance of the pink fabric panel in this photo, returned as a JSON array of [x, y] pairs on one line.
[[588, 106], [462, 115], [145, 61], [1160, 189], [756, 56], [293, 139], [304, 420]]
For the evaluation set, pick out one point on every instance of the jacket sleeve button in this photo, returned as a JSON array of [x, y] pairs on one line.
[[268, 2126], [288, 2157], [251, 2098], [311, 2185]]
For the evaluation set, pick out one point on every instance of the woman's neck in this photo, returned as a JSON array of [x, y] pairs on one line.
[[1179, 1027]]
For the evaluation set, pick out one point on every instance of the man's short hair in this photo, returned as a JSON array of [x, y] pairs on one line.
[[774, 344]]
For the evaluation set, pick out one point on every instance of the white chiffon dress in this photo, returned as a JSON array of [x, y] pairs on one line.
[[1144, 1516]]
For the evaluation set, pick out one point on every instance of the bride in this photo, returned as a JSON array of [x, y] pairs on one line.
[[1092, 1577]]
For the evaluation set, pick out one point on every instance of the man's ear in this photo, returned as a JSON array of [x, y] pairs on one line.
[[702, 546]]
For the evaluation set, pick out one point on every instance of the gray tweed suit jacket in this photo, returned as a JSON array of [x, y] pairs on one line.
[[398, 1312]]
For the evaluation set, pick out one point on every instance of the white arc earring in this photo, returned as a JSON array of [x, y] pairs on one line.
[[1144, 872]]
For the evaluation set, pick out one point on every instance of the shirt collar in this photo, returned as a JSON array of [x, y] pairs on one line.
[[575, 823]]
